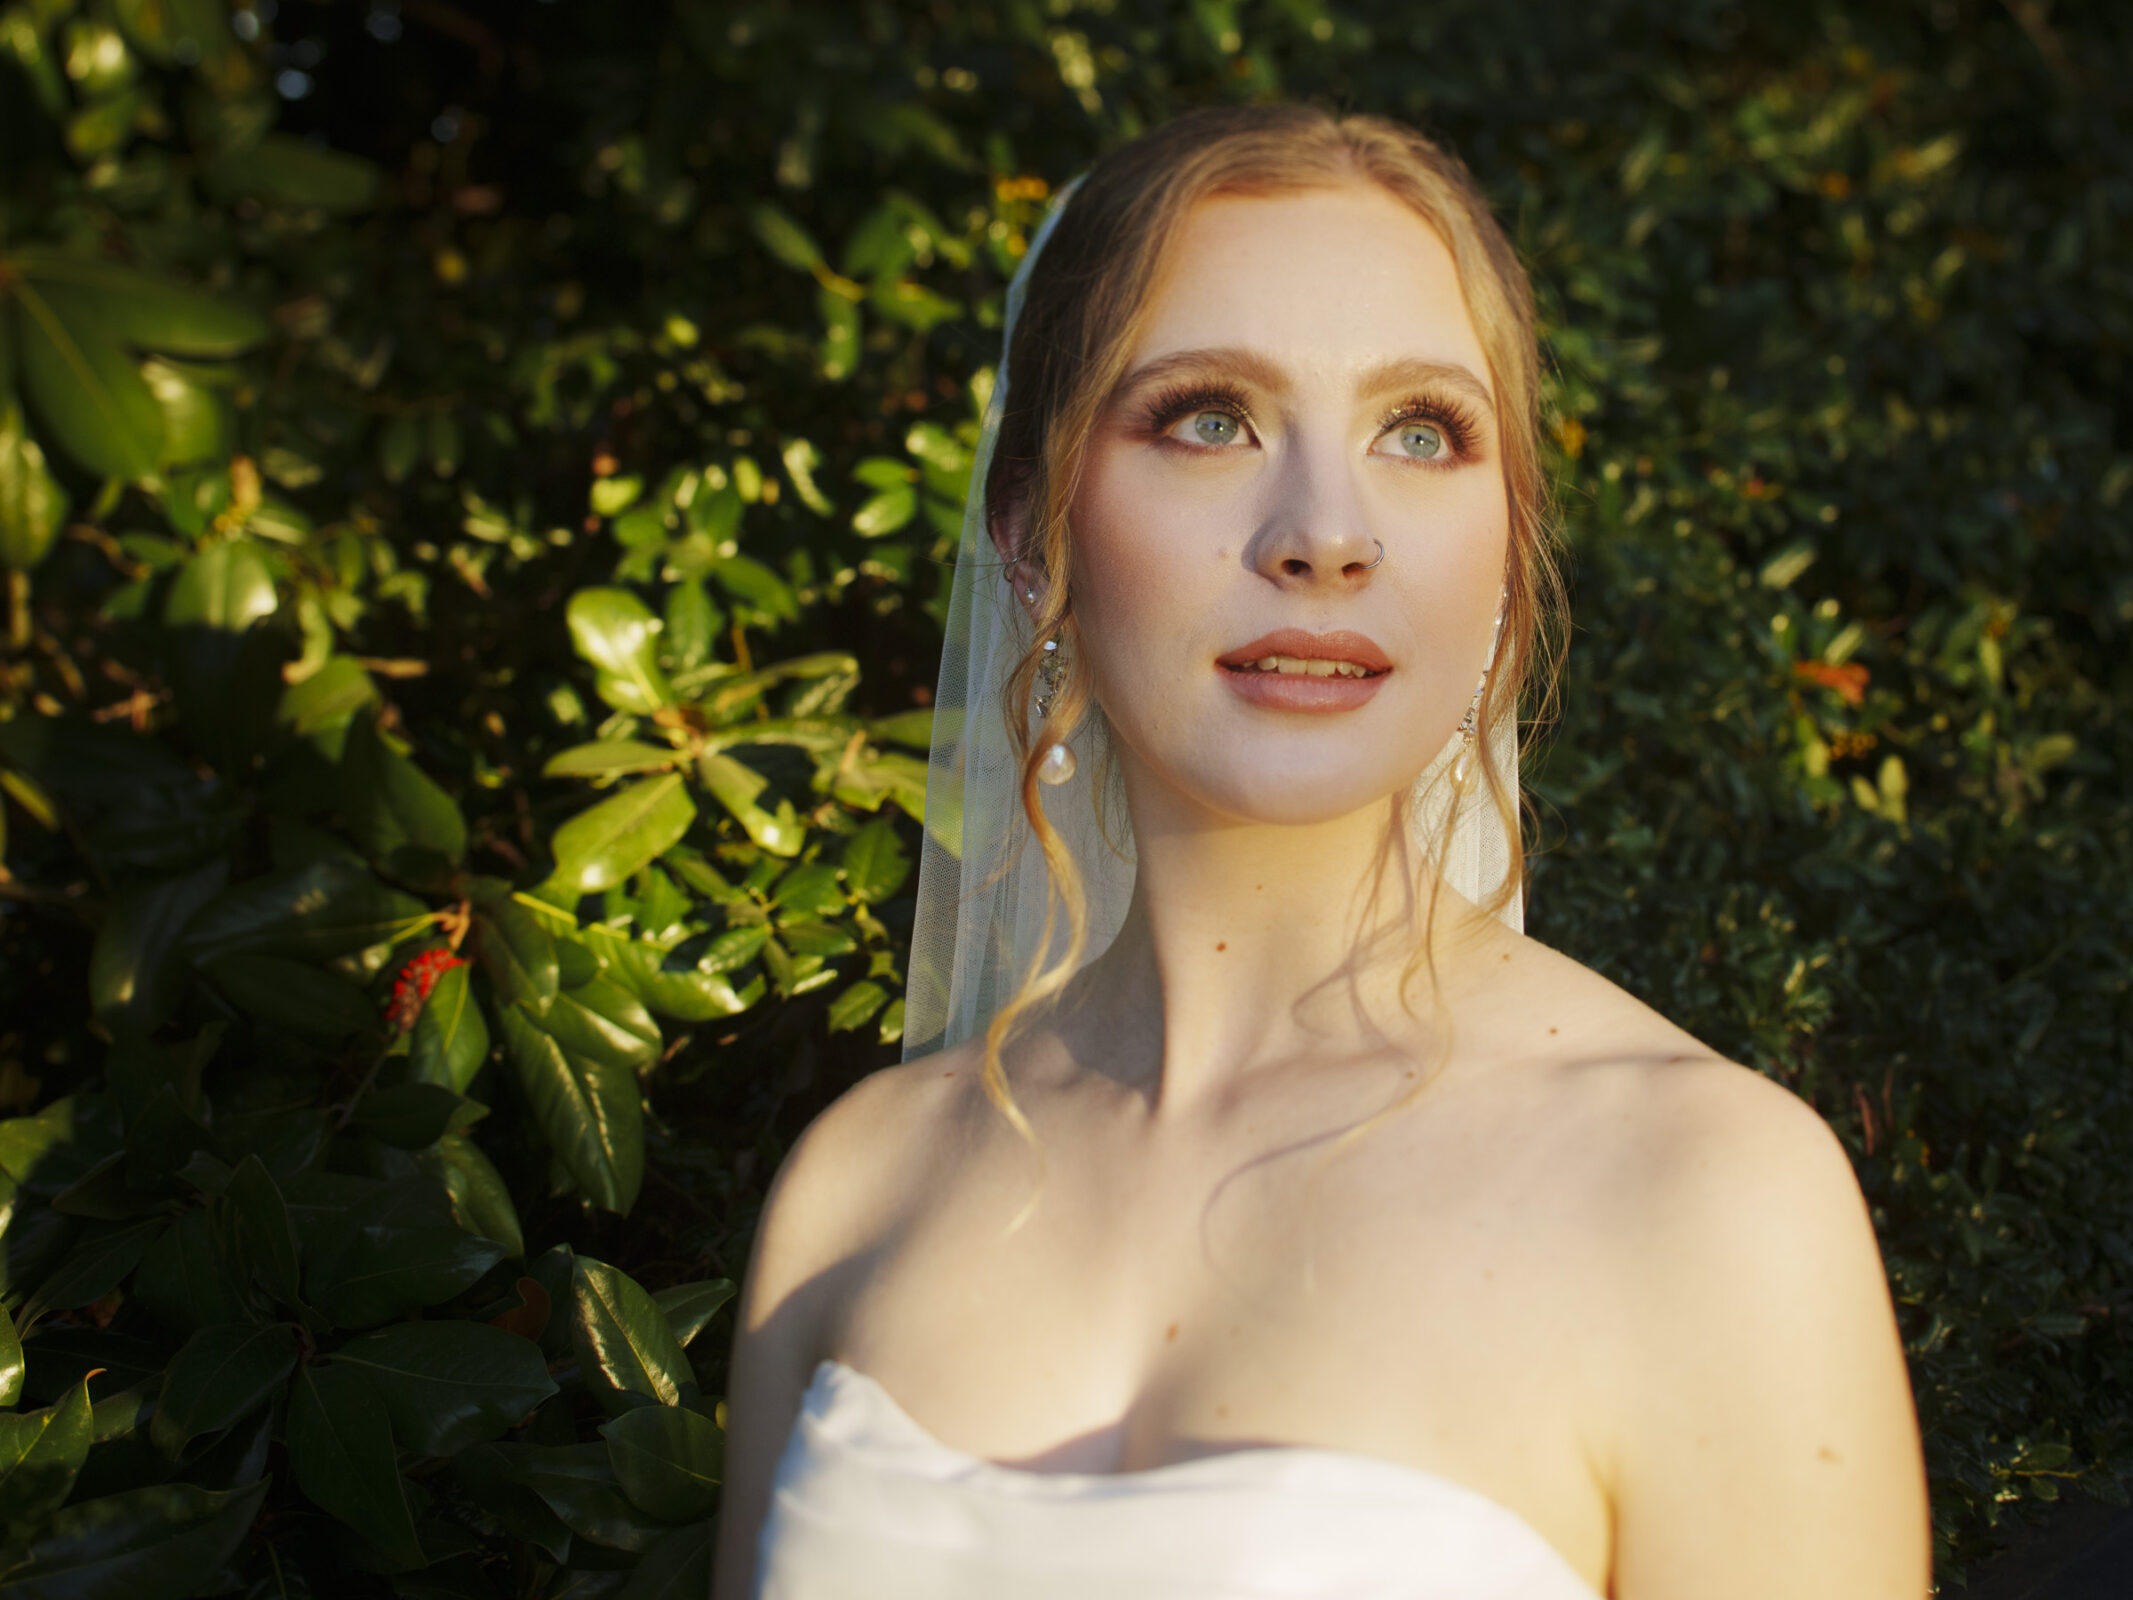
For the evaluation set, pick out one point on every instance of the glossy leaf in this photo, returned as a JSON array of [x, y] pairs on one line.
[[146, 310], [856, 1006], [408, 1116], [186, 1280], [678, 1567], [737, 787], [221, 1375], [11, 1365], [689, 1307], [684, 993], [325, 909], [227, 586], [623, 1341], [518, 953], [578, 1484], [385, 1272], [158, 1543], [589, 1110], [613, 629], [294, 996], [40, 1452], [451, 1038], [447, 1384], [95, 1266], [875, 865], [285, 168], [341, 1454], [604, 1022], [270, 1237], [85, 386], [391, 804], [607, 844], [610, 758], [481, 1201], [33, 505], [667, 1459], [136, 970]]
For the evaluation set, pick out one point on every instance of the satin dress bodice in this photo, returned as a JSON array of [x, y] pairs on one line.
[[867, 1503]]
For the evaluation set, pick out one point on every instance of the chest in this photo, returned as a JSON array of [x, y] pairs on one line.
[[1400, 1302]]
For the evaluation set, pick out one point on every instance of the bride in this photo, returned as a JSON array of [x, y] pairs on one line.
[[1322, 1235]]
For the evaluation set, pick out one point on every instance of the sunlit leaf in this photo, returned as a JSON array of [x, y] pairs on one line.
[[624, 1342]]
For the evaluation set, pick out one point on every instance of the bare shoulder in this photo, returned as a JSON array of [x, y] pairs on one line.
[[859, 1162], [1759, 1437]]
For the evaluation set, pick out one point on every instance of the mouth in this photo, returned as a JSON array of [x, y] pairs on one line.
[[1291, 670]]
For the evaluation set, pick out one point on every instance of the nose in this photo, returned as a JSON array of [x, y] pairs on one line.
[[1313, 532]]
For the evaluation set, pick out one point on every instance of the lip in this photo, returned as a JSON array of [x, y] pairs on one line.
[[1275, 691]]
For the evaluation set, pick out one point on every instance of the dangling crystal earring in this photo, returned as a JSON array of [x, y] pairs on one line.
[[1058, 762], [1469, 725]]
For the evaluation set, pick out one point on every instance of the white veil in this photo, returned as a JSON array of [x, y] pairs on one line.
[[981, 893]]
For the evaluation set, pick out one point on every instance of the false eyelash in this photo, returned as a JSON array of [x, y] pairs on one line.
[[1165, 409], [1458, 423]]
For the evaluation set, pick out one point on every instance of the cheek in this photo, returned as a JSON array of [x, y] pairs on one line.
[[1147, 568]]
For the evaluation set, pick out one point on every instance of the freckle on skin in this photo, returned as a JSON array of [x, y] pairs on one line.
[[1555, 1030], [1221, 946], [1170, 1333], [1827, 1454]]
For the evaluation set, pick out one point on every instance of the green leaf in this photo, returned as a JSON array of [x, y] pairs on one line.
[[158, 1543], [856, 1005], [689, 1307], [913, 729], [605, 845], [578, 1484], [222, 1375], [327, 701], [264, 1217], [736, 787], [40, 1452], [623, 1340], [809, 889], [686, 994], [451, 1038], [886, 511], [96, 1265], [801, 458], [518, 953], [608, 758], [11, 1364], [589, 1111], [602, 1021], [86, 387], [185, 1280], [136, 973], [447, 1385], [892, 1022], [385, 1271], [341, 1453], [875, 865], [667, 1459], [33, 506], [481, 1202], [227, 586], [616, 632], [786, 239], [408, 1116], [326, 908], [286, 168], [678, 1567], [391, 804], [692, 622], [295, 996], [145, 310], [26, 1141]]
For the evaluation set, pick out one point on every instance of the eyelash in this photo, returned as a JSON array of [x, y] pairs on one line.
[[1168, 408]]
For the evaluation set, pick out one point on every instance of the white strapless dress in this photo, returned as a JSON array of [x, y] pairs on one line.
[[866, 1503]]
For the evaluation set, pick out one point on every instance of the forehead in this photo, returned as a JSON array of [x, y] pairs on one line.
[[1322, 282]]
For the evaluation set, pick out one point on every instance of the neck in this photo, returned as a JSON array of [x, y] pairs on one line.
[[1248, 945]]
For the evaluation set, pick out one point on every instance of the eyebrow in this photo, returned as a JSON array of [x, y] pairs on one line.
[[1404, 372]]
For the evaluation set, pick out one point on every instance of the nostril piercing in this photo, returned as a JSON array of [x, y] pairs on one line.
[[1380, 543]]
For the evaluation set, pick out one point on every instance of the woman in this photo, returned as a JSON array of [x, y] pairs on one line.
[[1323, 1235]]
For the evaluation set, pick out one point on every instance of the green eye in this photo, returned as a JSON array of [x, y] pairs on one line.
[[1215, 427], [1422, 440]]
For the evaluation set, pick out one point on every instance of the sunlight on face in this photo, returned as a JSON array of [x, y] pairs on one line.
[[1308, 387]]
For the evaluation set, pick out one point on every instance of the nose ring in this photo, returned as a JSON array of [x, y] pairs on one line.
[[1380, 543]]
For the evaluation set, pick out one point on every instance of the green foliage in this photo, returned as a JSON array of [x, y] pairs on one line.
[[475, 526]]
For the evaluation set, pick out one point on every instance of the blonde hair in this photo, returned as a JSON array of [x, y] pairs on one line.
[[1086, 302]]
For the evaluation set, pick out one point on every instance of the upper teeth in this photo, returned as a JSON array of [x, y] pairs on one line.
[[1311, 667]]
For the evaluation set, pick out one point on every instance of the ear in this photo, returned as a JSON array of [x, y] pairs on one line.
[[1007, 521]]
